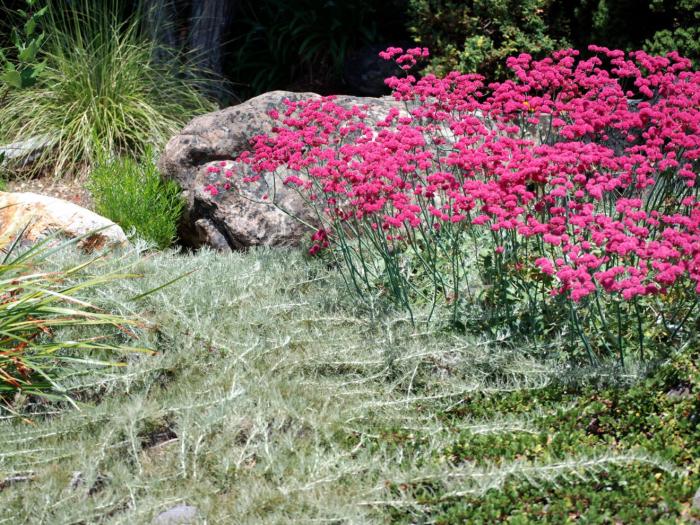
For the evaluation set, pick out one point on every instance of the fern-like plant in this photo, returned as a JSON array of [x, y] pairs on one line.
[[131, 193]]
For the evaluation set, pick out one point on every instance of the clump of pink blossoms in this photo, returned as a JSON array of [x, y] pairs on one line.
[[584, 170]]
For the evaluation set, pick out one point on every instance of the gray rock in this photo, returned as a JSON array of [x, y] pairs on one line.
[[209, 235], [176, 515], [24, 152], [679, 393], [248, 214]]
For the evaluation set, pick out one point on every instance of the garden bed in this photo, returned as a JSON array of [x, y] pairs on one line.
[[274, 399]]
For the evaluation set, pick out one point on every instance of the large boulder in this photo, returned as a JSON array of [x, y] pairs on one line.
[[43, 216], [248, 214]]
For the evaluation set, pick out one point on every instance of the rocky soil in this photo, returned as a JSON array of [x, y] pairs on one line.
[[72, 189]]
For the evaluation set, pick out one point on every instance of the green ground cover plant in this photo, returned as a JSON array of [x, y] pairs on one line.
[[131, 193], [659, 414], [101, 89], [275, 398]]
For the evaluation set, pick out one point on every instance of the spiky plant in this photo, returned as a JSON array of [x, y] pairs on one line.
[[102, 88], [35, 305]]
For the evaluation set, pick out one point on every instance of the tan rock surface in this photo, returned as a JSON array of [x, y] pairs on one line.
[[47, 215]]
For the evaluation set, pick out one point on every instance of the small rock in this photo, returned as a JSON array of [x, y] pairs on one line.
[[211, 236], [24, 152], [176, 515], [46, 215], [696, 500], [679, 393]]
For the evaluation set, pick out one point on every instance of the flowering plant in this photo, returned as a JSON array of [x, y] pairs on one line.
[[563, 200]]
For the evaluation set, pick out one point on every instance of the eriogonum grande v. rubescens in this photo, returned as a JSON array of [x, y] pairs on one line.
[[582, 173]]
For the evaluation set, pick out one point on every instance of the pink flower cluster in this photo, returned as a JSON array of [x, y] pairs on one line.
[[591, 164], [216, 170], [405, 60]]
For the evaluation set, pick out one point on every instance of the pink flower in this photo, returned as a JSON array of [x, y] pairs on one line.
[[545, 265], [590, 203]]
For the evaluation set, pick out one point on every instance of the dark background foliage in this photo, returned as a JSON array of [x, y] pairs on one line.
[[259, 45], [477, 35]]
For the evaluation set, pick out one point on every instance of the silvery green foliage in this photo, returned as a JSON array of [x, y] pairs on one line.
[[263, 365]]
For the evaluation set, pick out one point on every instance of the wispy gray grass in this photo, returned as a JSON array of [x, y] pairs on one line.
[[268, 402]]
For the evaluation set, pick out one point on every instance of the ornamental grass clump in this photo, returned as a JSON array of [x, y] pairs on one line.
[[106, 86], [561, 203], [39, 309]]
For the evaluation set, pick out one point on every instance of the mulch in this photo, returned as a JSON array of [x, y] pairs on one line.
[[70, 189]]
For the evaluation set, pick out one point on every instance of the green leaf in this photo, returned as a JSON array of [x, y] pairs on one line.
[[14, 37], [38, 69], [28, 54], [164, 285], [28, 76], [12, 78], [30, 26]]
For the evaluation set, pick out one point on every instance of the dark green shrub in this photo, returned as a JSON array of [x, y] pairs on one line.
[[132, 194], [477, 35], [284, 41], [657, 25], [683, 33]]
